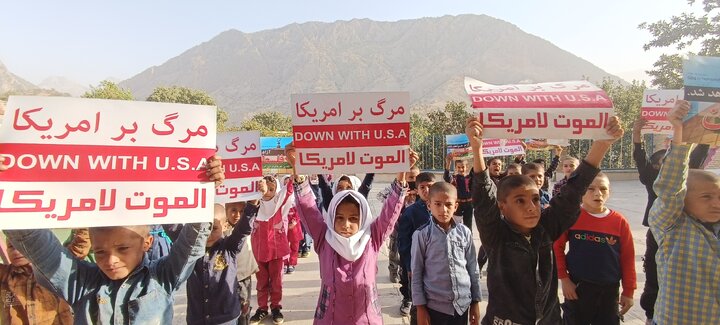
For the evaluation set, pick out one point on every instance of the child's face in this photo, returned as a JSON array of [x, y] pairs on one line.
[[442, 207], [461, 167], [118, 250], [569, 166], [538, 176], [521, 207], [343, 185], [233, 211], [16, 258], [495, 167], [513, 171], [424, 190], [596, 195], [216, 232], [702, 200], [347, 219]]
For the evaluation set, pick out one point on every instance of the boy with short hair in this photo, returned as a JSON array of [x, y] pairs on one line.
[[414, 217], [518, 237], [445, 277], [123, 287], [685, 220], [246, 264], [536, 172], [212, 288], [569, 164], [601, 255], [513, 169], [23, 300], [462, 180]]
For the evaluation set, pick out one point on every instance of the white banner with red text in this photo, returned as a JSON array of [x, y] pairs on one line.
[[655, 107], [242, 162], [562, 110], [459, 146], [347, 133], [94, 162]]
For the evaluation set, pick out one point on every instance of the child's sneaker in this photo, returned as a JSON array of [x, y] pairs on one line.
[[277, 316], [260, 314], [304, 254], [290, 269]]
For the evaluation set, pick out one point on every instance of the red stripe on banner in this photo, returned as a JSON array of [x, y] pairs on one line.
[[242, 167], [85, 163], [578, 99], [654, 113], [351, 135]]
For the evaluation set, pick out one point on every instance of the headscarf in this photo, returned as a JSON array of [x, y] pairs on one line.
[[355, 182], [350, 248], [270, 207]]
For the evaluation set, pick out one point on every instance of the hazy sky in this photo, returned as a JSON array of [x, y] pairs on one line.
[[88, 41]]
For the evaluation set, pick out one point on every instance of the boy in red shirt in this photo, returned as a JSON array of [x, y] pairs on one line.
[[601, 255]]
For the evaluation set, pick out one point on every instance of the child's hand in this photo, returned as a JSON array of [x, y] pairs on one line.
[[474, 132], [614, 130], [558, 151], [290, 154], [414, 157], [475, 313], [448, 160], [423, 317], [625, 304], [568, 289], [638, 125], [215, 170], [678, 113], [3, 167]]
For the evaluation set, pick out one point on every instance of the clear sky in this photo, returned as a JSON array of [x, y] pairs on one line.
[[88, 41]]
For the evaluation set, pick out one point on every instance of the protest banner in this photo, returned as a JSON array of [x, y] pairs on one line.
[[273, 155], [93, 162], [351, 132], [459, 146], [702, 88], [242, 161], [562, 110], [655, 107]]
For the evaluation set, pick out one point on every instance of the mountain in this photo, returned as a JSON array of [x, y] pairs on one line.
[[12, 83], [64, 85], [250, 72]]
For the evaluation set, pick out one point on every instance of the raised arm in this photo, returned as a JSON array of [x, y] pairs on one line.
[[79, 243], [366, 185], [307, 210], [384, 224], [670, 185], [70, 278], [446, 173], [646, 172], [176, 267], [325, 191]]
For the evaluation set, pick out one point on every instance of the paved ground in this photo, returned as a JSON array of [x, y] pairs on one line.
[[300, 290]]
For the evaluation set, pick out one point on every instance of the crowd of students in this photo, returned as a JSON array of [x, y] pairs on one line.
[[532, 238]]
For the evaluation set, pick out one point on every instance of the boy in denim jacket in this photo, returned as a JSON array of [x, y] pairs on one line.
[[123, 287]]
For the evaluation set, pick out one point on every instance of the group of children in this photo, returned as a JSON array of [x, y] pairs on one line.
[[524, 233]]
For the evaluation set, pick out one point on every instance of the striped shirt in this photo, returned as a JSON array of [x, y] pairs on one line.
[[688, 254]]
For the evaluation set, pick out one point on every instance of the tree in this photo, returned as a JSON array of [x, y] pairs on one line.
[[184, 95], [269, 123], [108, 90], [428, 133], [682, 32]]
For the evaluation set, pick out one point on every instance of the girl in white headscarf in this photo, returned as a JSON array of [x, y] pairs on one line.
[[348, 239], [270, 243]]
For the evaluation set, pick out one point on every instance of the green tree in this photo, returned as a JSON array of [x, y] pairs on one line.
[[428, 132], [682, 32], [108, 90], [269, 124], [184, 95]]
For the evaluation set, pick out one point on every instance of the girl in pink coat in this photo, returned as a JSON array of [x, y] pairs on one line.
[[348, 239]]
